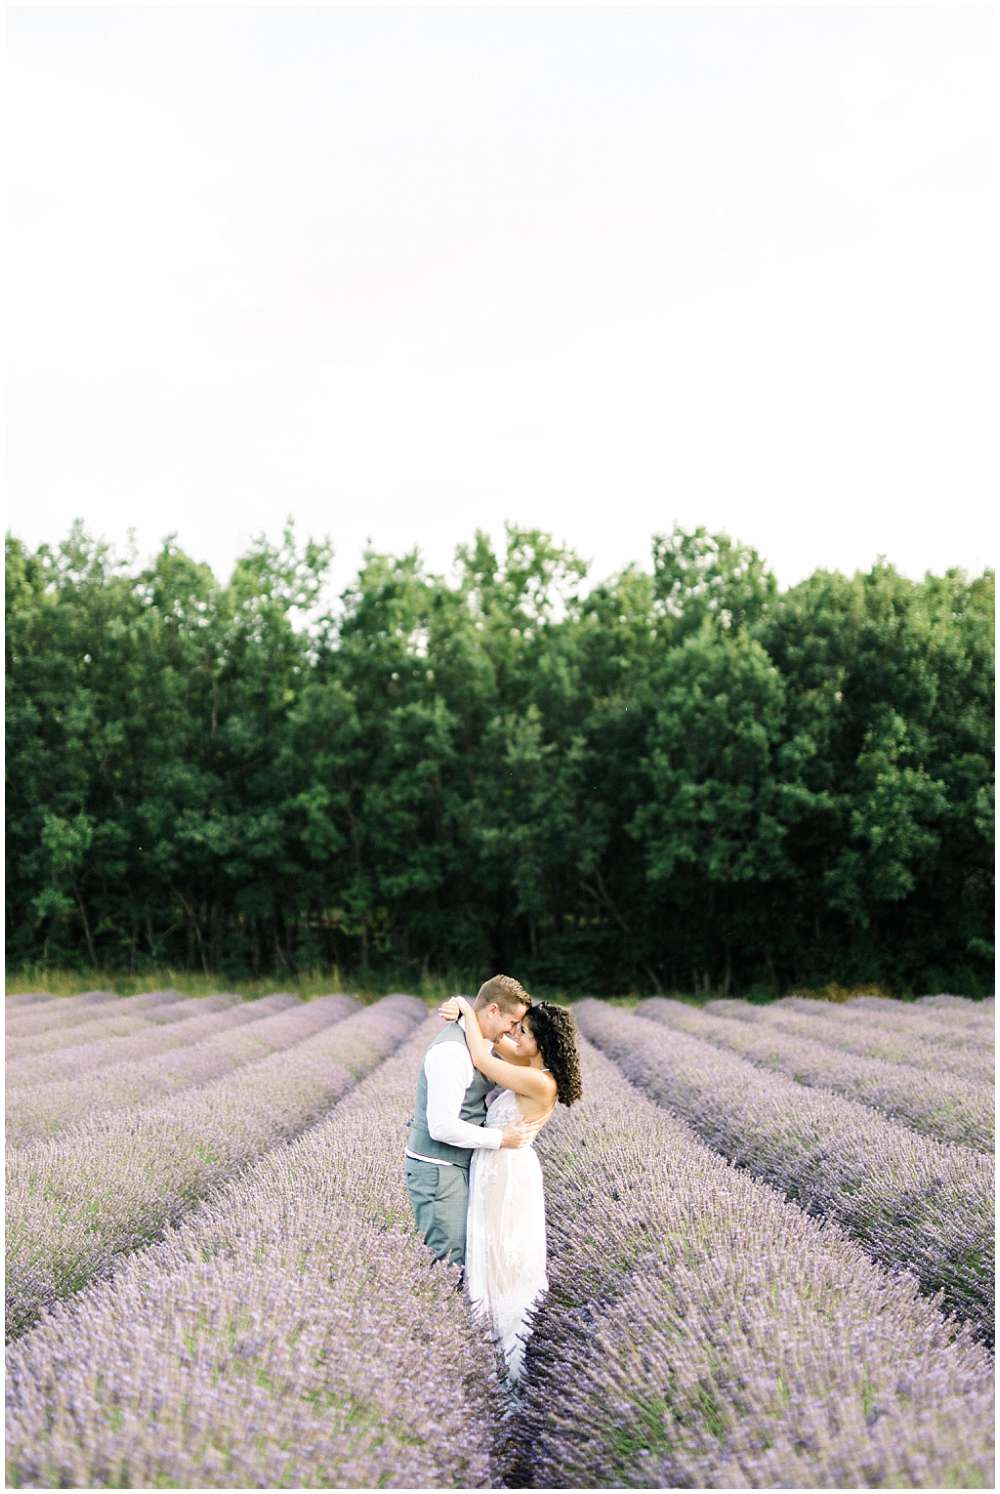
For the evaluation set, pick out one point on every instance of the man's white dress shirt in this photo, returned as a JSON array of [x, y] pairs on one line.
[[450, 1071]]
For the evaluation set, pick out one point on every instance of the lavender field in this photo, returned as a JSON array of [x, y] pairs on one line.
[[770, 1239]]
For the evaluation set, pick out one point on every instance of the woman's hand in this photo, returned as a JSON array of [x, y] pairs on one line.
[[453, 1008]]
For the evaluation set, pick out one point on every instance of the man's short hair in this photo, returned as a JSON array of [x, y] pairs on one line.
[[507, 992]]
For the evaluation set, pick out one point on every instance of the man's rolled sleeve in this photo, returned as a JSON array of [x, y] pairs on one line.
[[449, 1072]]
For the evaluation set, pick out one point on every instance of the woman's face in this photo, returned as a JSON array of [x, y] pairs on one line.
[[526, 1045]]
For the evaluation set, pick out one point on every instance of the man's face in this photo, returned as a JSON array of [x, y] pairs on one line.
[[501, 1022]]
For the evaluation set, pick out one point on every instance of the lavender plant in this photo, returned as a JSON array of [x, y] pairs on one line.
[[39, 1001], [244, 1035], [702, 1332], [960, 1004], [103, 1052], [912, 1202], [77, 1203], [939, 1105], [914, 1046], [112, 1025], [931, 1026], [61, 1018], [293, 1332]]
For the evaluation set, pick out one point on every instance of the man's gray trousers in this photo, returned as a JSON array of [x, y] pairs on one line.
[[440, 1199]]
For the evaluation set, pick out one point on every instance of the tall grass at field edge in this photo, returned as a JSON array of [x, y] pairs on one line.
[[430, 987]]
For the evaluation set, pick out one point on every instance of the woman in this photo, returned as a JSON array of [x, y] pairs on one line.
[[537, 1067]]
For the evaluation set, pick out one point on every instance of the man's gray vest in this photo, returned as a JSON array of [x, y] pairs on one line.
[[473, 1108]]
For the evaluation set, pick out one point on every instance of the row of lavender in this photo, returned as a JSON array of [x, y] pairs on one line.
[[70, 1011], [702, 1332], [960, 1026], [959, 1007], [293, 1332], [46, 1032], [927, 1041], [913, 1203], [110, 1183], [106, 1074], [98, 1043], [25, 1012], [947, 1106]]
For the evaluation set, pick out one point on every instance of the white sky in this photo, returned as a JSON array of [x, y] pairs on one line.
[[403, 273]]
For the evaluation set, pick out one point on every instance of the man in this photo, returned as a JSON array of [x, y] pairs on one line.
[[448, 1121]]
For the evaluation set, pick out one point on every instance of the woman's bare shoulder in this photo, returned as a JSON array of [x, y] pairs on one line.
[[543, 1090]]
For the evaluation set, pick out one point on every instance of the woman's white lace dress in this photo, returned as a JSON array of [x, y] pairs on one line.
[[505, 1238]]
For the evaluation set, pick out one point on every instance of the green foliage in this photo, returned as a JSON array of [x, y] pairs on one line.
[[680, 780]]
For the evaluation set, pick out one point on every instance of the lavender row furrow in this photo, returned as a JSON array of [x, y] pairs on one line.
[[31, 1023], [111, 1025], [701, 1332], [204, 1017], [291, 1333], [938, 1105], [858, 1035], [28, 998], [937, 1028], [912, 1202], [75, 1204], [251, 1033]]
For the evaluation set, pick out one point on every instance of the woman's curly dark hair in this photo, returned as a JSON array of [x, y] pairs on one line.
[[554, 1030]]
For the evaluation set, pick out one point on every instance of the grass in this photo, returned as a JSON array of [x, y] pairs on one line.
[[432, 988]]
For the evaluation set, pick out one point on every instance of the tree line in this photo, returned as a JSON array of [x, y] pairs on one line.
[[681, 778]]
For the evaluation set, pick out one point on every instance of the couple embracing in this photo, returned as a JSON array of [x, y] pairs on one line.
[[471, 1171]]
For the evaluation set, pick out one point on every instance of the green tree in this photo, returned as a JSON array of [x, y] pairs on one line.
[[711, 828], [677, 779]]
